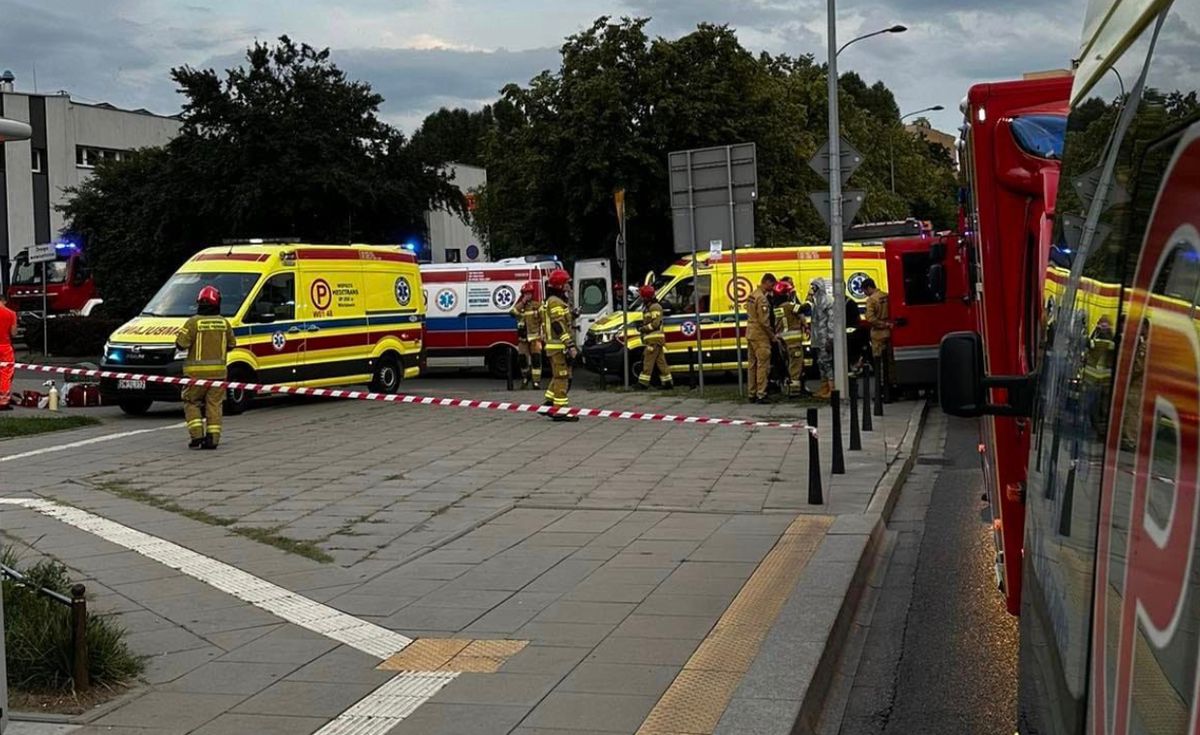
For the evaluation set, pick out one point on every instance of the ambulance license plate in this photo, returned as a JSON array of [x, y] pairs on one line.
[[132, 384]]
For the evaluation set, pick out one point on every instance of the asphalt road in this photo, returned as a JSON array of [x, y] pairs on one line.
[[938, 650]]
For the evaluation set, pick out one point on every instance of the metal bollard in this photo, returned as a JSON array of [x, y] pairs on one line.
[[79, 664], [878, 370], [839, 459], [855, 437], [867, 425], [815, 496]]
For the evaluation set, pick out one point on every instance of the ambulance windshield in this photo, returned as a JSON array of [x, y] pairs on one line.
[[178, 296], [659, 283]]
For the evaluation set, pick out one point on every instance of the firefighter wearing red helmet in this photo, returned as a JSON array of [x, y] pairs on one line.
[[528, 313], [208, 338], [654, 354], [560, 345]]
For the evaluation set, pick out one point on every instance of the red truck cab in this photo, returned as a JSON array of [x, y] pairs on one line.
[[70, 288]]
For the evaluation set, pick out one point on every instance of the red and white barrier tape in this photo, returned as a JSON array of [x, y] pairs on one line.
[[360, 395]]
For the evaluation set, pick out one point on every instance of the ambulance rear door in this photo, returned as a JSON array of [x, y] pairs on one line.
[[593, 294], [446, 316]]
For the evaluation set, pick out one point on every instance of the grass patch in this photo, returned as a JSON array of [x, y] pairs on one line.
[[37, 636], [122, 490], [14, 426], [269, 536]]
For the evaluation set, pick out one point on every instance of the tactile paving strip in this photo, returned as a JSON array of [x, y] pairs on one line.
[[453, 655], [696, 700]]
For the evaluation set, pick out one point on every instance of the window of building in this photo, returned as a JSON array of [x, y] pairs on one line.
[[38, 160], [453, 255], [90, 156]]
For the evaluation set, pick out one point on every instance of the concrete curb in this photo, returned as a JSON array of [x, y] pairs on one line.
[[783, 693]]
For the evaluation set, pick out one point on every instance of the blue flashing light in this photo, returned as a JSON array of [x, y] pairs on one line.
[[411, 247], [66, 247]]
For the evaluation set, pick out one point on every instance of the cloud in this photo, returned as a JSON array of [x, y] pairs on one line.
[[422, 54]]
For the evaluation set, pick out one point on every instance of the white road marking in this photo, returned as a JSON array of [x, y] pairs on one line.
[[375, 714], [381, 710], [366, 637], [87, 442]]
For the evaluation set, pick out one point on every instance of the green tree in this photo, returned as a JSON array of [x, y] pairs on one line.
[[281, 146], [620, 102]]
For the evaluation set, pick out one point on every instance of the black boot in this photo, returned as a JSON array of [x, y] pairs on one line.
[[196, 443]]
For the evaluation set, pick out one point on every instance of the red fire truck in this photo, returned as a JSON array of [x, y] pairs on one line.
[[1011, 144], [69, 285], [1102, 387]]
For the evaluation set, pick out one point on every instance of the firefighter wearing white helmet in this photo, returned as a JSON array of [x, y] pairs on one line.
[[528, 313], [560, 345], [654, 355]]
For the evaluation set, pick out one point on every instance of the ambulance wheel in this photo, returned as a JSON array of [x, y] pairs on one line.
[[387, 375], [498, 361], [635, 365], [238, 400], [134, 406]]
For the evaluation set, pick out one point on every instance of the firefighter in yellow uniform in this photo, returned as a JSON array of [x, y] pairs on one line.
[[528, 313], [560, 344], [878, 317], [759, 337], [789, 323], [208, 338], [654, 356]]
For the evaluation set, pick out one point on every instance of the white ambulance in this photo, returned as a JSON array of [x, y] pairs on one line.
[[468, 324]]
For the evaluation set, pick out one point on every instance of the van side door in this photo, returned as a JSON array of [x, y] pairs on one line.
[[276, 338]]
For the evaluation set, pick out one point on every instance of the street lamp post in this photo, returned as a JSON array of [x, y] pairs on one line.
[[835, 198], [892, 142], [10, 130]]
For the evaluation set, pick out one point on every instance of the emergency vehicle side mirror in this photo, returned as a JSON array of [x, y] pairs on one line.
[[963, 384], [960, 375]]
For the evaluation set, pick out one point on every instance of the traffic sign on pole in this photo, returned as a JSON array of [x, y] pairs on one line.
[[850, 158], [41, 253], [852, 201]]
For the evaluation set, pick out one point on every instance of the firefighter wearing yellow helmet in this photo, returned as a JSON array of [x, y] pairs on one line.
[[560, 344]]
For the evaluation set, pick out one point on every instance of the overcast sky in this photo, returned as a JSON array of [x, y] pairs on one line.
[[425, 54]]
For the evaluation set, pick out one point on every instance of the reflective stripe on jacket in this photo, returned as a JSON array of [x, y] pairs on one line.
[[558, 325], [208, 340], [652, 324]]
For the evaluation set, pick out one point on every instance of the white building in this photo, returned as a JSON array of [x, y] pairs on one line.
[[451, 239], [69, 137]]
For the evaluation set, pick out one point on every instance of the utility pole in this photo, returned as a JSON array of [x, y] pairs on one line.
[[835, 212]]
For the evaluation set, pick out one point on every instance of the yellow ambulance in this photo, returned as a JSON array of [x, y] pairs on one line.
[[677, 287], [304, 315]]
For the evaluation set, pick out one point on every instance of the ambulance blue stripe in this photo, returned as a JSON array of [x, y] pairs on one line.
[[470, 322]]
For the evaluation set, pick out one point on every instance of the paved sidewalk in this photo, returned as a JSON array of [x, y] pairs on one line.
[[641, 562]]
